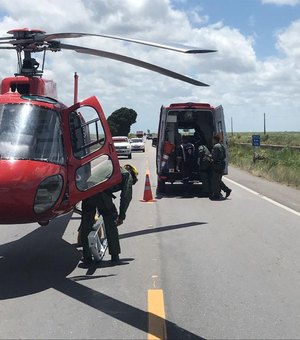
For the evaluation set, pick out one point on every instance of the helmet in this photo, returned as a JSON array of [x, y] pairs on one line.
[[133, 172]]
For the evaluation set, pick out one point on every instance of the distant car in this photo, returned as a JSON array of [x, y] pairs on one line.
[[137, 144], [149, 136], [123, 146]]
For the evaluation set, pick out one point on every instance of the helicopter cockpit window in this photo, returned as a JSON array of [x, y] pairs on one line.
[[30, 132], [87, 133]]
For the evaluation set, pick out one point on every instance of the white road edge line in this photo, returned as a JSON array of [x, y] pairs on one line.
[[264, 197]]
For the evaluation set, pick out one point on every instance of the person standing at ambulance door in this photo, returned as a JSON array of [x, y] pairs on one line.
[[204, 162], [218, 165], [187, 155]]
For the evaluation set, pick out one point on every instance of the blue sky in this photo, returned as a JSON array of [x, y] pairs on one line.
[[256, 70], [250, 17]]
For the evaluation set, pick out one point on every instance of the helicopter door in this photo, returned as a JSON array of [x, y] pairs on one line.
[[93, 164]]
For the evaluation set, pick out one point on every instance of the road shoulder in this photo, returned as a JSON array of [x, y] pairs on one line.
[[280, 193]]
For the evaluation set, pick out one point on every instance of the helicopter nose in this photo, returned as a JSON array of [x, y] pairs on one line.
[[19, 183]]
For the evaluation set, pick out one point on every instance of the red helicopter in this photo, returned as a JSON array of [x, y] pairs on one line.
[[53, 156]]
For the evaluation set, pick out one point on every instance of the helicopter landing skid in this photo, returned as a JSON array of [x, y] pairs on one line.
[[97, 240]]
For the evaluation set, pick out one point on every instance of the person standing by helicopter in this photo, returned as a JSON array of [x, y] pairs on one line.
[[103, 203]]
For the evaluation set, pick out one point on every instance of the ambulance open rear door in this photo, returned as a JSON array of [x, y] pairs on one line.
[[220, 130]]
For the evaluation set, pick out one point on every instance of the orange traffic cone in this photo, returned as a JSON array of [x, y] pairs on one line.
[[147, 191]]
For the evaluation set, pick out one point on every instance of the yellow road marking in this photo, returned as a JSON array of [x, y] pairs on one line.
[[156, 315]]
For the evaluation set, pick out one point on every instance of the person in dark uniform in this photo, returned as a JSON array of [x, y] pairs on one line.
[[186, 160], [103, 203], [204, 161], [218, 165]]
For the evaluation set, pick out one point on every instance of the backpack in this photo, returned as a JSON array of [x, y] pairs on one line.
[[188, 151], [204, 159]]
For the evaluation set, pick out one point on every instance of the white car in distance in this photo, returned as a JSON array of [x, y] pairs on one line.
[[122, 146], [137, 144]]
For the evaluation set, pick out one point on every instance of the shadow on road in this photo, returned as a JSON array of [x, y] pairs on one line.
[[37, 261], [180, 190], [119, 310], [161, 229], [43, 260]]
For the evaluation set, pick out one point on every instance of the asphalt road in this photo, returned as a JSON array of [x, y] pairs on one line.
[[227, 269]]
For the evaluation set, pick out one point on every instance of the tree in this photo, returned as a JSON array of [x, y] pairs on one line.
[[121, 120]]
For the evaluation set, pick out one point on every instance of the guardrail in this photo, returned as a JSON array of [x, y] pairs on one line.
[[271, 146]]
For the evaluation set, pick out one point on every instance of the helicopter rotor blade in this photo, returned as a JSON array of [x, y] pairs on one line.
[[41, 38], [132, 61], [176, 47]]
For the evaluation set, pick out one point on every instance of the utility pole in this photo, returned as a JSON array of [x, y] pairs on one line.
[[231, 127], [264, 123]]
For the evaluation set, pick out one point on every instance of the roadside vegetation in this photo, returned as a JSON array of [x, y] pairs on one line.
[[121, 120], [279, 164]]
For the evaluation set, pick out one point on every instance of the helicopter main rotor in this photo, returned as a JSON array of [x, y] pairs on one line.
[[27, 41]]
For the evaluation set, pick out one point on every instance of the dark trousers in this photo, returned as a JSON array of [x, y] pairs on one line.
[[216, 179], [187, 169], [205, 177], [223, 186], [105, 206], [217, 184]]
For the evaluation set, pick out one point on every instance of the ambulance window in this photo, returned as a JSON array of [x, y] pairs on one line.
[[172, 117], [95, 172], [87, 133]]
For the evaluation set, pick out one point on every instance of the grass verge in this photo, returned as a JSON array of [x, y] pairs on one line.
[[282, 165]]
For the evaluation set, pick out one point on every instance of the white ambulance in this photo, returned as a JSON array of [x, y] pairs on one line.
[[185, 121]]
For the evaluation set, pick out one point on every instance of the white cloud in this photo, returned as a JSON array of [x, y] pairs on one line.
[[288, 41], [281, 2], [245, 86]]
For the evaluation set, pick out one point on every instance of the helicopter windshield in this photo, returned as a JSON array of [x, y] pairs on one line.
[[30, 132]]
